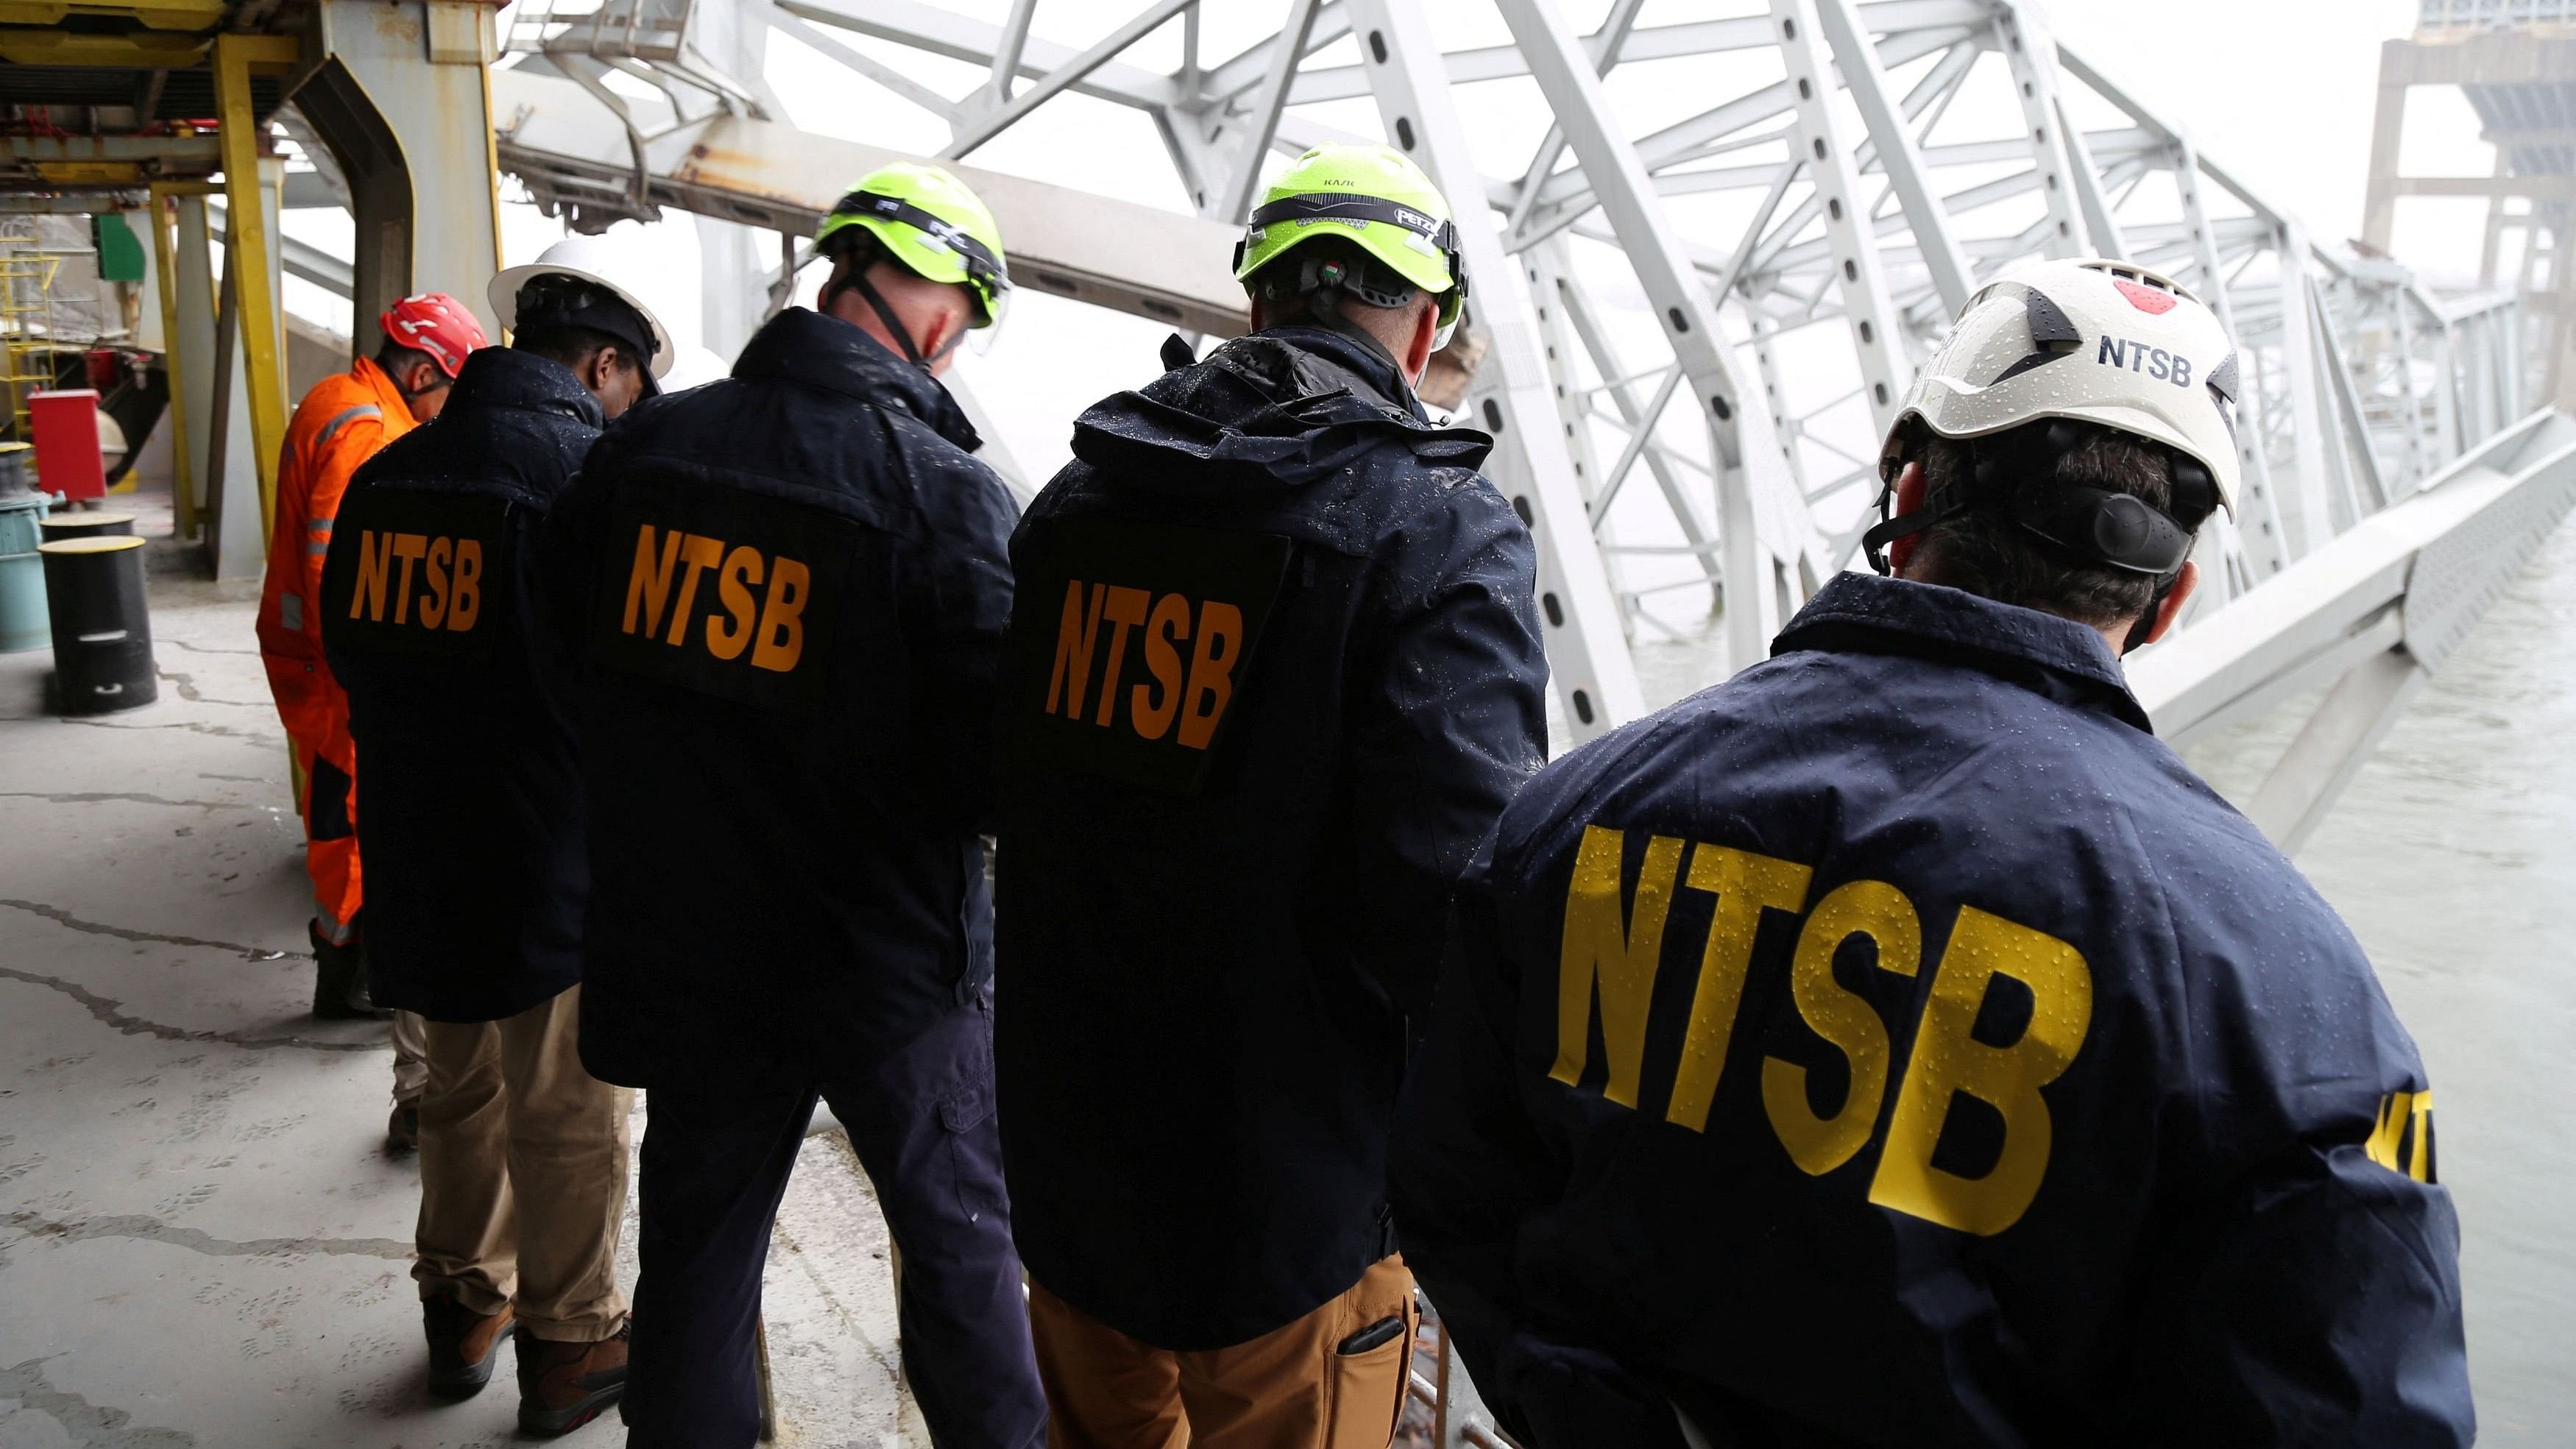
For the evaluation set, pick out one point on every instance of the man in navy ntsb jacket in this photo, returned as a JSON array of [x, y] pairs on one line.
[[473, 838], [1897, 1045], [786, 590], [1275, 669]]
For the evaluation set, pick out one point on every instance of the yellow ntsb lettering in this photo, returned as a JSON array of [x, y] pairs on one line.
[[450, 577], [667, 568], [1745, 885], [1612, 947], [1848, 1024], [2401, 1134], [1615, 951], [1949, 1060], [1196, 701]]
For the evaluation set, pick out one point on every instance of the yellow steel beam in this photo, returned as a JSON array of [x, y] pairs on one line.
[[248, 248], [199, 149], [183, 488], [162, 15], [89, 173], [139, 50]]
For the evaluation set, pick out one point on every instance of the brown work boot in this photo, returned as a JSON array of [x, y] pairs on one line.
[[463, 1345], [563, 1386]]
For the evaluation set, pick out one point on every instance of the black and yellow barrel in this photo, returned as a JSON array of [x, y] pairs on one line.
[[102, 629], [87, 523]]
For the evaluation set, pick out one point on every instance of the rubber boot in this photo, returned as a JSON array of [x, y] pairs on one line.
[[339, 979]]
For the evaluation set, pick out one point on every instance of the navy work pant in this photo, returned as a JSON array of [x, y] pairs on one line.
[[715, 1161]]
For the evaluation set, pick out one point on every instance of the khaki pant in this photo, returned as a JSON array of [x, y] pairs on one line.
[[522, 1173], [411, 1064], [1291, 1388]]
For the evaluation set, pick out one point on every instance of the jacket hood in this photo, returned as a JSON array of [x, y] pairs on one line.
[[801, 345], [508, 378], [1279, 409]]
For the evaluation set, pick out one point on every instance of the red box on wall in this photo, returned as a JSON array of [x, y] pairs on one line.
[[67, 458]]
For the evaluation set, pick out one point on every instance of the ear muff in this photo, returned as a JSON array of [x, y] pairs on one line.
[[2014, 472]]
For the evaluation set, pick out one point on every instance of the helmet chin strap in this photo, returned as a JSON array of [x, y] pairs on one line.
[[409, 394], [853, 281]]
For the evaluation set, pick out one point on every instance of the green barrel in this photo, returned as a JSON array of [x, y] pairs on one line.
[[23, 622]]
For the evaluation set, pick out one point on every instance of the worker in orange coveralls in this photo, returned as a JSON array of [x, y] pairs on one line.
[[339, 425]]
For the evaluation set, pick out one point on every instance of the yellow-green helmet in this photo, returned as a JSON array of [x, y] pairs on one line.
[[1373, 196], [932, 223]]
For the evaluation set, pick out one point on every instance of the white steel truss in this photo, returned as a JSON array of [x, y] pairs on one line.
[[1731, 295]]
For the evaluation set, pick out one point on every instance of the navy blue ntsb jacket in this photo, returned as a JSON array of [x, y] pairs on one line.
[[472, 825], [1275, 670], [788, 589], [1897, 1045]]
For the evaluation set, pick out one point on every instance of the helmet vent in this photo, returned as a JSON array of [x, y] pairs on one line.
[[2126, 277]]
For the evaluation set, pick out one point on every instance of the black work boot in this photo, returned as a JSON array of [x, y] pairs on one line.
[[402, 1129], [563, 1386], [463, 1345], [339, 979]]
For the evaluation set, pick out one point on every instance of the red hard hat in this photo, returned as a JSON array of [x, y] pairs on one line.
[[437, 324]]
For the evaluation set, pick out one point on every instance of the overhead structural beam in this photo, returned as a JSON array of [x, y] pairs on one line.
[[1878, 335], [2020, 32], [1757, 564], [1587, 648], [1640, 420], [942, 32], [975, 129], [1261, 118], [766, 174], [1891, 134]]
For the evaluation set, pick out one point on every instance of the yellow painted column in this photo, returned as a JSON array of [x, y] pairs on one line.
[[183, 483], [247, 261]]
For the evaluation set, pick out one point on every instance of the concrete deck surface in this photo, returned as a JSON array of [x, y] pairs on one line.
[[202, 1241]]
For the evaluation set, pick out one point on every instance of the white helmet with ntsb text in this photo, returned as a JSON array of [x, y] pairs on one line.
[[2091, 342]]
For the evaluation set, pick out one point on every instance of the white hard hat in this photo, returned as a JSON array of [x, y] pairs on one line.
[[2100, 342], [593, 259]]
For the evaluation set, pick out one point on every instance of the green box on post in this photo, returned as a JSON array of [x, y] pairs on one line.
[[120, 253]]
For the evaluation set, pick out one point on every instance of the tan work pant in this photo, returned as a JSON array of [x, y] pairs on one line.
[[522, 1173], [1288, 1389], [411, 1059]]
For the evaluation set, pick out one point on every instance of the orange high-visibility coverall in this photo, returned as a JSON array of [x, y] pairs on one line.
[[339, 425]]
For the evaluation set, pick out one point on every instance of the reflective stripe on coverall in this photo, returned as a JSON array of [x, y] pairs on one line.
[[339, 425]]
